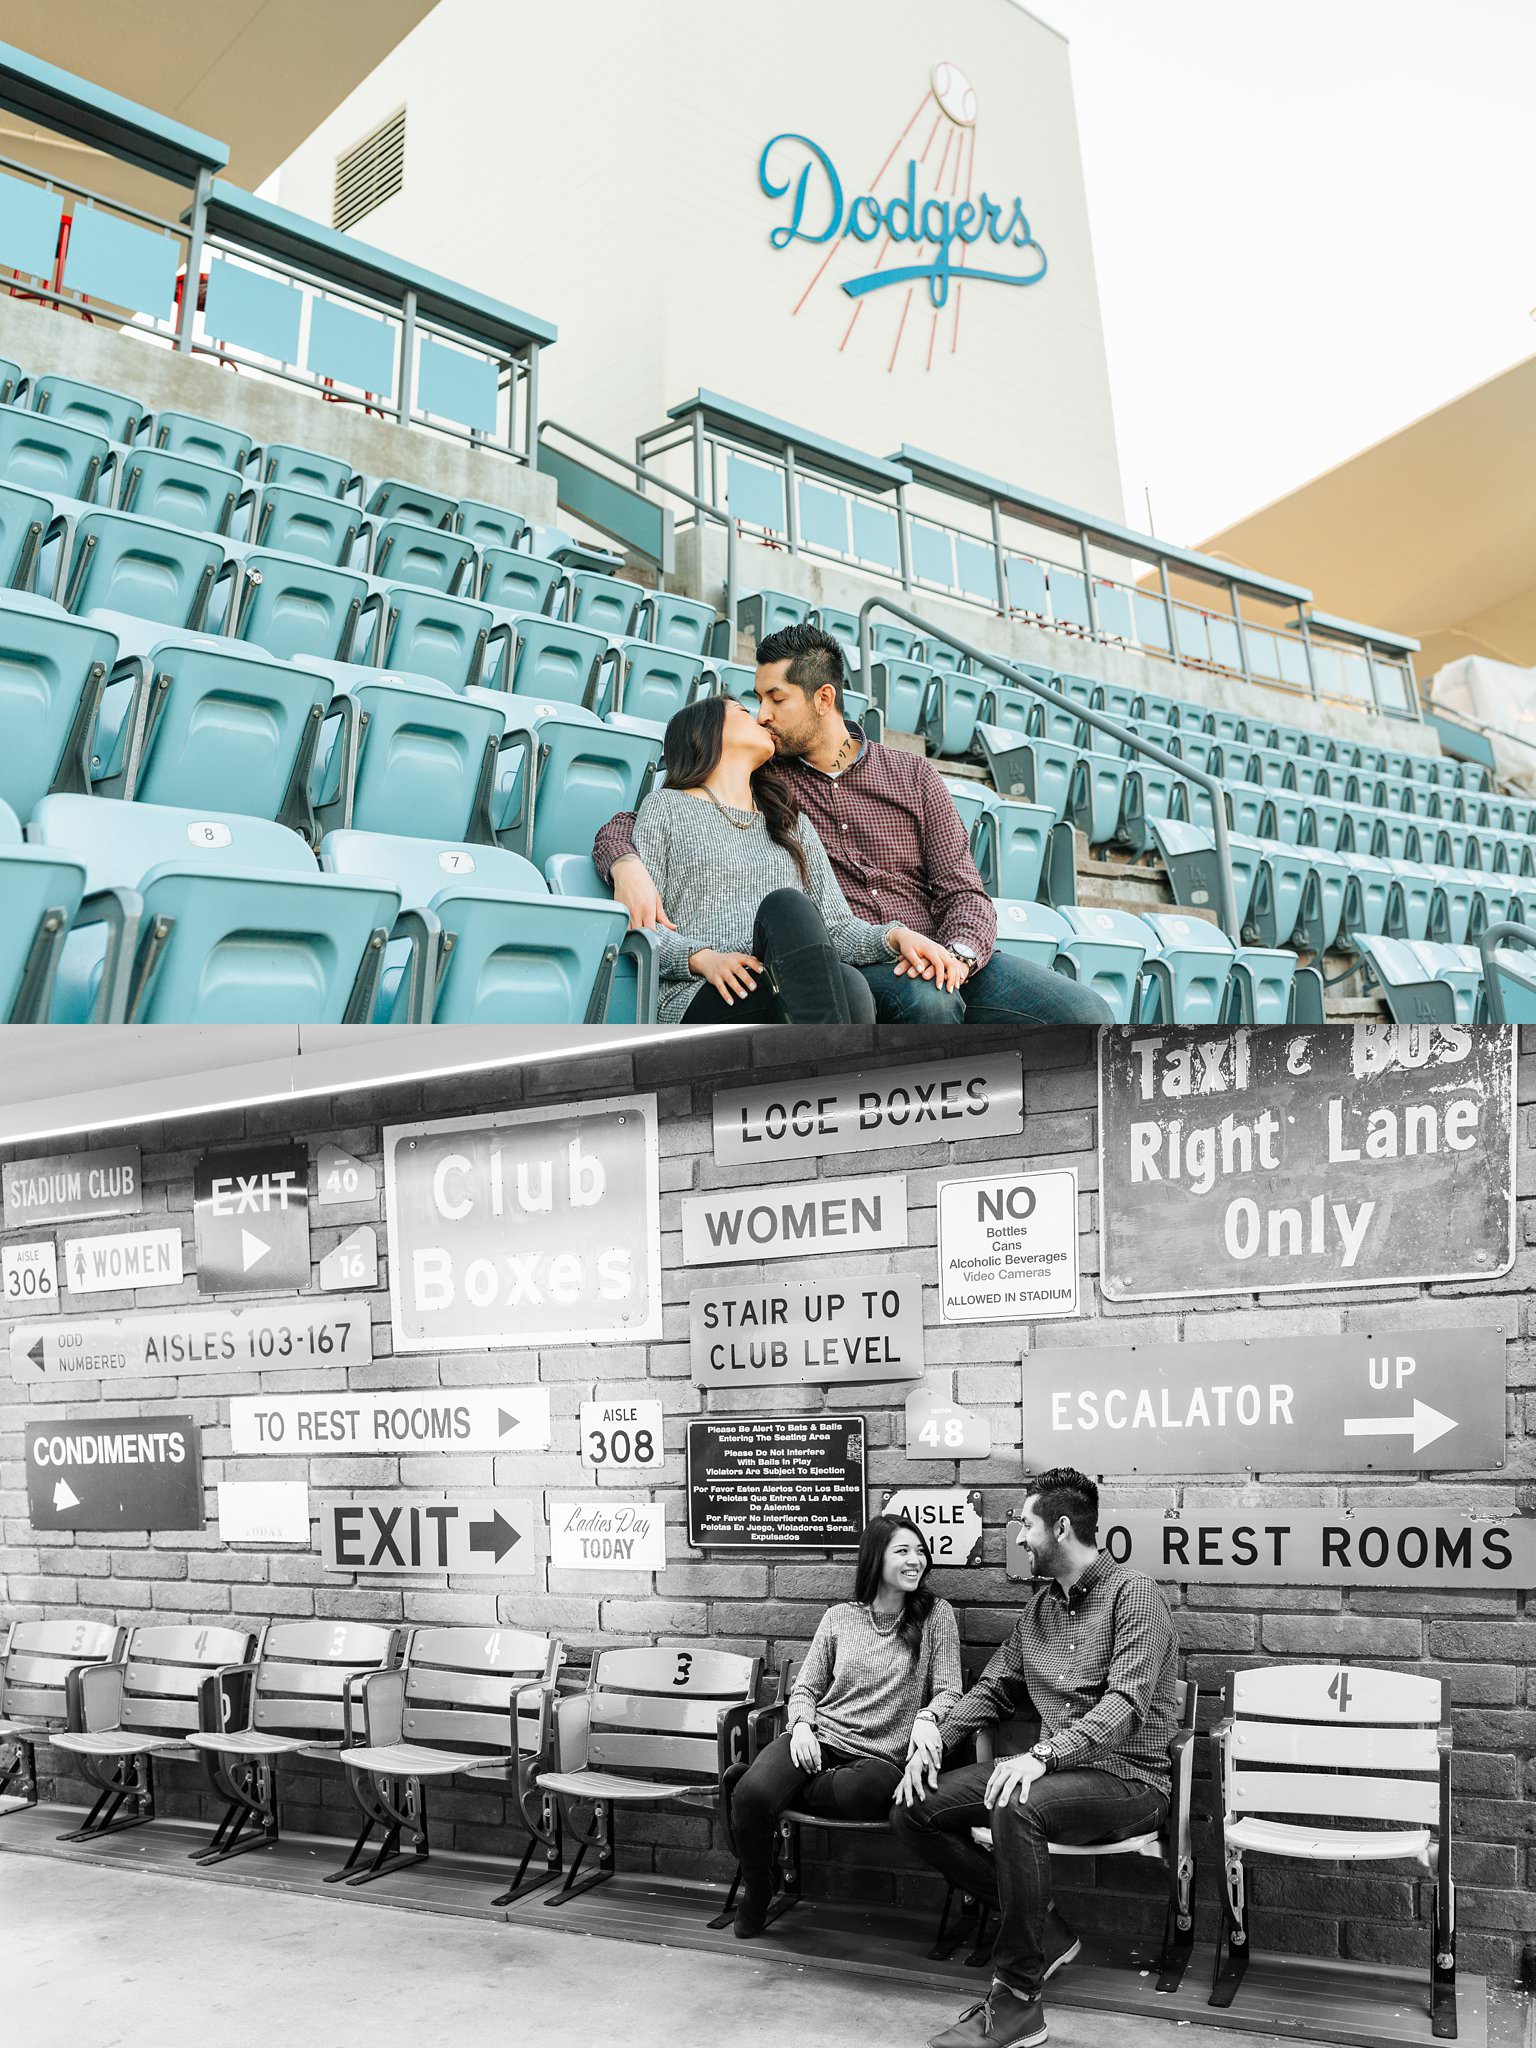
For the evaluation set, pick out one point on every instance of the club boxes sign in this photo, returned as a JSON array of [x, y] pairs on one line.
[[981, 1098], [866, 1327], [1429, 1400], [1220, 1546], [537, 1226], [466, 1419], [1008, 1248], [266, 1337], [794, 1220], [72, 1185], [1249, 1161], [601, 1535], [117, 1472], [768, 1482], [403, 1534]]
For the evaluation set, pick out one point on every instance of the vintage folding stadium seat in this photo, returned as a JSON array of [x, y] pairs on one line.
[[683, 624], [1011, 845], [212, 918], [583, 774], [393, 497], [183, 433], [12, 381], [604, 604], [464, 1702], [1105, 951], [124, 1714], [951, 714], [305, 469], [292, 1701], [112, 413], [406, 552], [34, 1674], [53, 669], [481, 940], [287, 521], [511, 580], [655, 1727], [636, 985], [24, 519], [409, 756], [118, 563], [41, 893], [1029, 931], [901, 688], [646, 681], [552, 660], [178, 490], [489, 526], [50, 456]]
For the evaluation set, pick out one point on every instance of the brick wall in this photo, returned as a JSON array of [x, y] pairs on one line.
[[1478, 1640]]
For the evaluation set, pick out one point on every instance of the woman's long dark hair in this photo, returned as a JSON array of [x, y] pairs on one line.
[[879, 1534], [691, 750]]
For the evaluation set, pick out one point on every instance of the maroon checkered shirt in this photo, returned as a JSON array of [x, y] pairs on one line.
[[895, 841]]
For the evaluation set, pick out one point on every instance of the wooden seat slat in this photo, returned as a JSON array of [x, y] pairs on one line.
[[72, 1642], [1410, 1799], [299, 1717], [492, 1649], [304, 1681], [491, 1733], [355, 1644], [652, 1713], [1332, 1693], [1347, 1748], [673, 1670], [23, 1668], [464, 1688], [165, 1681], [35, 1702], [158, 1716], [665, 1756], [204, 1647]]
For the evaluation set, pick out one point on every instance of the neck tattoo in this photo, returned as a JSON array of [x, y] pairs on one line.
[[844, 749]]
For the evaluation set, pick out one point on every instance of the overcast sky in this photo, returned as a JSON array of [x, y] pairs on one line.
[[1313, 221]]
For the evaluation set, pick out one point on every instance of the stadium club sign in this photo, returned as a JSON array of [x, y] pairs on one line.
[[938, 232]]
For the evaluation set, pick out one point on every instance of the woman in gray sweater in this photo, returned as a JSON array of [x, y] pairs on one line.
[[761, 931], [876, 1662]]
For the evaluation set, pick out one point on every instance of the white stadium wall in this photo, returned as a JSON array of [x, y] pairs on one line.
[[603, 166]]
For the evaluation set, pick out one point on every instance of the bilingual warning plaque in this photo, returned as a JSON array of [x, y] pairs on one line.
[[772, 1482]]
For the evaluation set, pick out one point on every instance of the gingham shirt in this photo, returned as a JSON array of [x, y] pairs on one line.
[[1100, 1665], [895, 841]]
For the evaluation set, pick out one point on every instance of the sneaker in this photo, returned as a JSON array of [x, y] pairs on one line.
[[1062, 1946], [1000, 2021]]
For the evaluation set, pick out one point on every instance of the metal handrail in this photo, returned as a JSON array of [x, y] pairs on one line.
[[1226, 889], [673, 490]]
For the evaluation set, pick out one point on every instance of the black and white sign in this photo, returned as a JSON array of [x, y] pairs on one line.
[[71, 1185], [1425, 1400], [354, 1263], [28, 1277], [1299, 1546], [941, 1428], [414, 1419], [266, 1337], [766, 1482], [1352, 1156], [115, 1472], [949, 1518], [603, 1535], [794, 1220], [341, 1178], [404, 1534], [929, 1104], [866, 1326], [1008, 1247], [621, 1436], [536, 1226], [134, 1258], [252, 1215]]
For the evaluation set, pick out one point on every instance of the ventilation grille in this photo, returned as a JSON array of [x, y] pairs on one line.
[[370, 173]]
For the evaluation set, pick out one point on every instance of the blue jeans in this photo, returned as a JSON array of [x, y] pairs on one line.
[[1005, 991]]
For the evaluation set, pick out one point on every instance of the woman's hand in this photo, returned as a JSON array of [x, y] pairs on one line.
[[632, 886], [925, 1755], [926, 959], [804, 1749], [731, 974]]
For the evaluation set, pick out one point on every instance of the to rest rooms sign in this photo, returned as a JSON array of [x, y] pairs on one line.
[[535, 1226]]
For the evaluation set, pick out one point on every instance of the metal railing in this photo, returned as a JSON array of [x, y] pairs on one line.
[[1099, 720]]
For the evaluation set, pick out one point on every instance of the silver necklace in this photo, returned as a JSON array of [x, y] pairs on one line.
[[741, 825]]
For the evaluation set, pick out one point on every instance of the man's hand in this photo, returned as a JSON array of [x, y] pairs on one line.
[[804, 1749], [732, 974], [927, 960], [1012, 1779], [632, 886]]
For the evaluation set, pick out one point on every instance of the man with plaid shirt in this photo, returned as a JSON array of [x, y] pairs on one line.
[[897, 847], [1095, 1655]]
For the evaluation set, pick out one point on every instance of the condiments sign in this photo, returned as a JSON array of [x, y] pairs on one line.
[[1253, 1161]]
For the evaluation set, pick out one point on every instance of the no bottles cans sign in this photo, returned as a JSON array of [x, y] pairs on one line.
[[535, 1226]]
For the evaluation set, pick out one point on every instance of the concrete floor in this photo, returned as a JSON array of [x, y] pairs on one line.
[[101, 1958]]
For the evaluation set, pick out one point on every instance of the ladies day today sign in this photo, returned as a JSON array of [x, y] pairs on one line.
[[1246, 1161]]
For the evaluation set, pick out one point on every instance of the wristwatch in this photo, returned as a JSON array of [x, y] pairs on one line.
[[1043, 1753], [964, 952]]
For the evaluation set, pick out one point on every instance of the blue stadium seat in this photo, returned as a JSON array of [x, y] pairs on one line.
[[1151, 792], [1293, 739], [1105, 950], [294, 522], [1321, 915], [216, 919], [1231, 728], [557, 545], [761, 612], [734, 679], [950, 717], [117, 562], [53, 669], [1409, 899], [899, 641], [178, 490], [41, 893], [516, 581], [409, 758], [1487, 850], [971, 799], [1509, 973], [393, 497], [1115, 701], [652, 681], [1496, 899], [900, 688], [939, 654], [1096, 796], [1366, 893], [553, 660], [1450, 905], [291, 606], [1010, 841], [408, 552], [24, 520], [1276, 906], [604, 604], [490, 526], [584, 773], [305, 469], [1012, 709], [636, 987], [183, 433], [427, 634], [858, 709], [12, 381], [844, 629], [1152, 709], [1204, 751], [1197, 976], [1324, 824], [683, 624], [482, 940], [91, 406], [51, 456], [1286, 817], [1396, 837], [1040, 771], [1029, 931], [1188, 854], [1423, 982]]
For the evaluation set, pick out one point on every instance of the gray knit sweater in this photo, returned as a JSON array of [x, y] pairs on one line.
[[712, 877], [861, 1688]]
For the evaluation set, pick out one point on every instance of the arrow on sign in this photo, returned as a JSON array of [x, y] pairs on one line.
[[1424, 1425], [36, 1355], [497, 1536], [504, 1422], [63, 1498], [252, 1250]]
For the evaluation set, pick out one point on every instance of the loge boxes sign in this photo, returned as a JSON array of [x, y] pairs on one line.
[[980, 1098], [538, 1226], [1246, 1161]]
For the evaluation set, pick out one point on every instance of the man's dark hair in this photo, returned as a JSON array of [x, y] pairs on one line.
[[815, 659], [1064, 1491]]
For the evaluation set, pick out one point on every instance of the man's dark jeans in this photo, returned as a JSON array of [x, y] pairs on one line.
[[1005, 991], [1063, 1806]]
